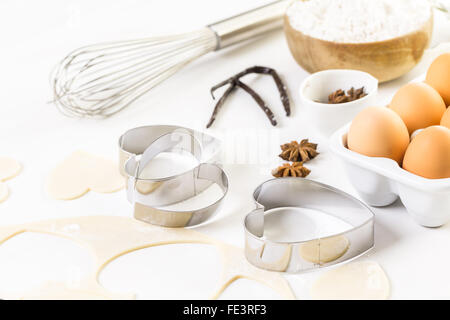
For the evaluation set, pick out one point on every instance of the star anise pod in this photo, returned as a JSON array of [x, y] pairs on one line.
[[294, 151], [291, 170], [339, 95], [356, 94]]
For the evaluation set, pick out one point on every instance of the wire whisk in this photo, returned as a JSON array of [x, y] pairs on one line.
[[103, 79]]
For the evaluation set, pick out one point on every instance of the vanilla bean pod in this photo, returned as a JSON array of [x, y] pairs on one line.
[[220, 103], [234, 82], [279, 83], [259, 101]]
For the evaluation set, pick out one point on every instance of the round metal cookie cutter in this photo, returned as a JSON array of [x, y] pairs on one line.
[[298, 256], [148, 195]]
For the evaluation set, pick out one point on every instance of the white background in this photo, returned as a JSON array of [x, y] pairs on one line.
[[37, 34]]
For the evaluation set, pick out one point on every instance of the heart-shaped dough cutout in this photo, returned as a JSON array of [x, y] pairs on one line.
[[81, 172], [160, 267], [9, 168], [30, 259]]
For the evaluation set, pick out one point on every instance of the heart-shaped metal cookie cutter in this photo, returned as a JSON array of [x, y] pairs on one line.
[[149, 196], [314, 253]]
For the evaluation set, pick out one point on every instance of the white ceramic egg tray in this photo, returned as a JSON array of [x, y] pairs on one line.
[[380, 181]]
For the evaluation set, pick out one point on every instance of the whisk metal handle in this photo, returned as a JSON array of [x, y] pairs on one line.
[[249, 24]]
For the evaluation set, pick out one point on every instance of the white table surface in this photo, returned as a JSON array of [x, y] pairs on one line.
[[35, 35]]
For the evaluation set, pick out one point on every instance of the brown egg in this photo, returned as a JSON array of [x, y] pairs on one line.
[[438, 76], [378, 132], [419, 105], [445, 121], [428, 154]]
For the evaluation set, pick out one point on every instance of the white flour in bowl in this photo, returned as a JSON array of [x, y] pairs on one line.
[[358, 21]]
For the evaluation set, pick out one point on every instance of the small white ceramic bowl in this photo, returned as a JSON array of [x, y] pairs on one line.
[[327, 117]]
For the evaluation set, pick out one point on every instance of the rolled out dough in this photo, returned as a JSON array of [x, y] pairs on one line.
[[363, 280], [60, 291], [110, 237], [9, 168], [81, 172]]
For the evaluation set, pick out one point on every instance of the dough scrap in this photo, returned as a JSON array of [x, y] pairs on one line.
[[110, 237], [9, 168], [363, 280], [81, 172], [324, 250]]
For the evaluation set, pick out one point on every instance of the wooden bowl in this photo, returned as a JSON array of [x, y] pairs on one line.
[[385, 60]]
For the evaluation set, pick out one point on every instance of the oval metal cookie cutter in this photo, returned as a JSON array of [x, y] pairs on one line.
[[149, 195], [298, 256]]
